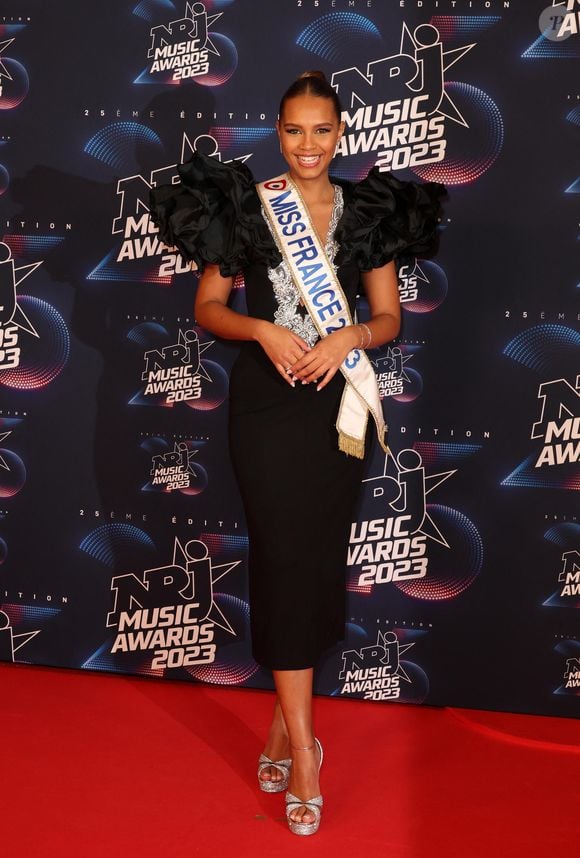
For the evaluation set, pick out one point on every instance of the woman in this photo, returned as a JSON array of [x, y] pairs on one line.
[[301, 378]]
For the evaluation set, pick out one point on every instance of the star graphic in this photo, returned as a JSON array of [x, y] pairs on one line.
[[446, 106], [182, 448], [403, 373], [23, 637], [3, 70], [428, 527], [215, 615], [182, 341], [211, 19], [3, 462], [382, 642], [419, 273], [19, 317]]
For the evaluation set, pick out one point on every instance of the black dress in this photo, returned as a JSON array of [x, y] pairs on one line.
[[299, 491]]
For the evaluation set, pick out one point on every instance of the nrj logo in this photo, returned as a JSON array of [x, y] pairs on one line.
[[374, 672], [569, 577], [390, 372], [174, 373], [393, 547], [174, 469], [398, 105], [559, 423], [183, 47], [572, 673], [170, 612], [13, 320]]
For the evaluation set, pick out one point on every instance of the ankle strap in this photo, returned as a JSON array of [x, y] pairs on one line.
[[307, 748]]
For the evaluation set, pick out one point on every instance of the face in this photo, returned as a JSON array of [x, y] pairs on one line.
[[309, 131]]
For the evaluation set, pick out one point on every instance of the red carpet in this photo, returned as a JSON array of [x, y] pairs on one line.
[[99, 765]]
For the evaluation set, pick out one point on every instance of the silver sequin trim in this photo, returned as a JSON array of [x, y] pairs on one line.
[[286, 293]]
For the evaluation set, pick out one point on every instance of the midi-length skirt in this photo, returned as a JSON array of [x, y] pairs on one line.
[[299, 493]]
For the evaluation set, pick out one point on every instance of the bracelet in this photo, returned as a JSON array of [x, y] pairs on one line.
[[364, 345]]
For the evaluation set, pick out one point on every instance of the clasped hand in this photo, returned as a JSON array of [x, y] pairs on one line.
[[296, 360], [324, 360]]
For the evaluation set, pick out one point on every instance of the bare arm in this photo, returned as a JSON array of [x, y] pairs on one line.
[[282, 346], [382, 291], [212, 312]]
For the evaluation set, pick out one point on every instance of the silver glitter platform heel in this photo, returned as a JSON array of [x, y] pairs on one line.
[[313, 804], [283, 767]]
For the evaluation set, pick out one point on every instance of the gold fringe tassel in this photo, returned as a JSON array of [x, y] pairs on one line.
[[351, 446], [356, 446]]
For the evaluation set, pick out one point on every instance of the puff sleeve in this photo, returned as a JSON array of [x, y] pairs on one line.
[[214, 216], [387, 217]]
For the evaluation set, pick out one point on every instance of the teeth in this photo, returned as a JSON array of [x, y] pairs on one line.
[[308, 159]]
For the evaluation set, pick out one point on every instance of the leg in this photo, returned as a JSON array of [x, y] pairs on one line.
[[277, 746], [294, 689]]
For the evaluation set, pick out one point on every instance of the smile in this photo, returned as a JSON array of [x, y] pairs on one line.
[[308, 160]]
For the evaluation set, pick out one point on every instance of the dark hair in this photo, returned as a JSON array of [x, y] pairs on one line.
[[312, 83]]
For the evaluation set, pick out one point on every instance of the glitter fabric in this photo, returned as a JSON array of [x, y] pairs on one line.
[[283, 767], [312, 804]]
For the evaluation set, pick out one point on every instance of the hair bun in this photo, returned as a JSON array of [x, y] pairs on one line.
[[316, 73], [312, 83]]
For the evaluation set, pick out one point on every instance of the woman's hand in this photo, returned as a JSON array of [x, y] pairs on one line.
[[323, 361], [283, 347]]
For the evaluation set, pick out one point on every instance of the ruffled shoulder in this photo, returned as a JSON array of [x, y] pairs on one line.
[[214, 216], [385, 217]]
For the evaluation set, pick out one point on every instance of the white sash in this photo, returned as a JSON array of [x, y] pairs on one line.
[[322, 295]]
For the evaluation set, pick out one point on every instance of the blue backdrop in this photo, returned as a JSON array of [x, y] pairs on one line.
[[122, 539]]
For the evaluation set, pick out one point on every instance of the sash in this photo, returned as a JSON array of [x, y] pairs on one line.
[[322, 295]]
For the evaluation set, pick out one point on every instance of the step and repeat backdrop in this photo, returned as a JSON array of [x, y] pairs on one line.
[[123, 545]]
